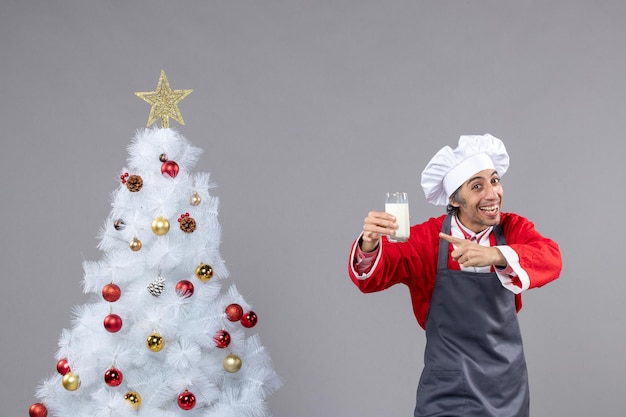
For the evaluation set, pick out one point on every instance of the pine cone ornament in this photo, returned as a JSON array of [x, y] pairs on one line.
[[157, 286], [134, 183], [188, 224]]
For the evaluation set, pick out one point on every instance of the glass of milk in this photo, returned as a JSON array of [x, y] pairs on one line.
[[397, 203]]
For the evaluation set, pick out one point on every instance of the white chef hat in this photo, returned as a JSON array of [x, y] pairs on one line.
[[450, 168]]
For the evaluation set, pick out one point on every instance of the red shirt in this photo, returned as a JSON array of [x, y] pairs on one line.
[[533, 260]]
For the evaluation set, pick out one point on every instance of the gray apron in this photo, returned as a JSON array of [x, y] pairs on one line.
[[473, 362]]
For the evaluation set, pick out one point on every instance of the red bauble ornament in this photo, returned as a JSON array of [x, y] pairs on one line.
[[184, 288], [249, 319], [38, 410], [170, 168], [222, 339], [113, 377], [63, 367], [186, 400], [111, 292], [113, 323], [234, 312]]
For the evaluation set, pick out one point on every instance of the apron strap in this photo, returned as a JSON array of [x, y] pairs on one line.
[[442, 258], [499, 234]]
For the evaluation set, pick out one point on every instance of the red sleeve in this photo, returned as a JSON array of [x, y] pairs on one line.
[[539, 256], [413, 263]]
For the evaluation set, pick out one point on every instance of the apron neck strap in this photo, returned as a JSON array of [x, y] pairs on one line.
[[442, 258]]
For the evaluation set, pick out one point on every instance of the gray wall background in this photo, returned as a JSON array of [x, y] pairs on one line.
[[308, 111]]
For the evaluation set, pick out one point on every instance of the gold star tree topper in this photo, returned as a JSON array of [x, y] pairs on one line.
[[164, 102]]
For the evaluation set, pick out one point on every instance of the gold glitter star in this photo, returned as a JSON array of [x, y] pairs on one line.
[[164, 102]]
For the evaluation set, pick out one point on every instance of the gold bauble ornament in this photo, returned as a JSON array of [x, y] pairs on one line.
[[204, 272], [232, 363], [135, 244], [134, 399], [195, 199], [160, 226], [70, 381], [155, 342]]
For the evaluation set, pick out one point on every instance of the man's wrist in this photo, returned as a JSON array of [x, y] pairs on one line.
[[368, 247]]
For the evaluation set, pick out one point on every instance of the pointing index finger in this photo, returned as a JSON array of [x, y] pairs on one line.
[[451, 239]]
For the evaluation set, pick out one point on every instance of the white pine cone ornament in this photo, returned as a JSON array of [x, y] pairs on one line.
[[157, 286]]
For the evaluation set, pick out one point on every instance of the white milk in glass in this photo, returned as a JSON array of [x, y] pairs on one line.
[[401, 211]]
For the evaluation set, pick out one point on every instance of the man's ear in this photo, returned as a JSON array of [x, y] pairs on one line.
[[453, 202]]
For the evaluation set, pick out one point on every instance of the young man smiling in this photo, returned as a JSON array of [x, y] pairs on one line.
[[465, 272]]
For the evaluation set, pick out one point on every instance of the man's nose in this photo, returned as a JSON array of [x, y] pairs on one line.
[[491, 193]]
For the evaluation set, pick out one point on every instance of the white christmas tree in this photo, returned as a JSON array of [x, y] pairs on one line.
[[159, 337]]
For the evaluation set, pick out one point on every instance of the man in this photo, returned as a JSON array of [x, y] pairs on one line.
[[465, 272]]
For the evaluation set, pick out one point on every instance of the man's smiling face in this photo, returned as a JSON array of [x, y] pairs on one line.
[[479, 200]]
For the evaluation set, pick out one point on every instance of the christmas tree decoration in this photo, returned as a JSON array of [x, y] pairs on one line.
[[164, 102], [135, 244], [70, 381], [204, 272], [133, 398], [111, 292], [119, 224], [155, 342], [234, 312], [187, 224], [38, 410], [232, 363], [156, 286], [182, 344], [169, 168], [63, 366], [113, 323], [184, 288], [134, 183], [249, 319], [160, 226], [222, 339], [195, 199], [186, 400], [113, 377]]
